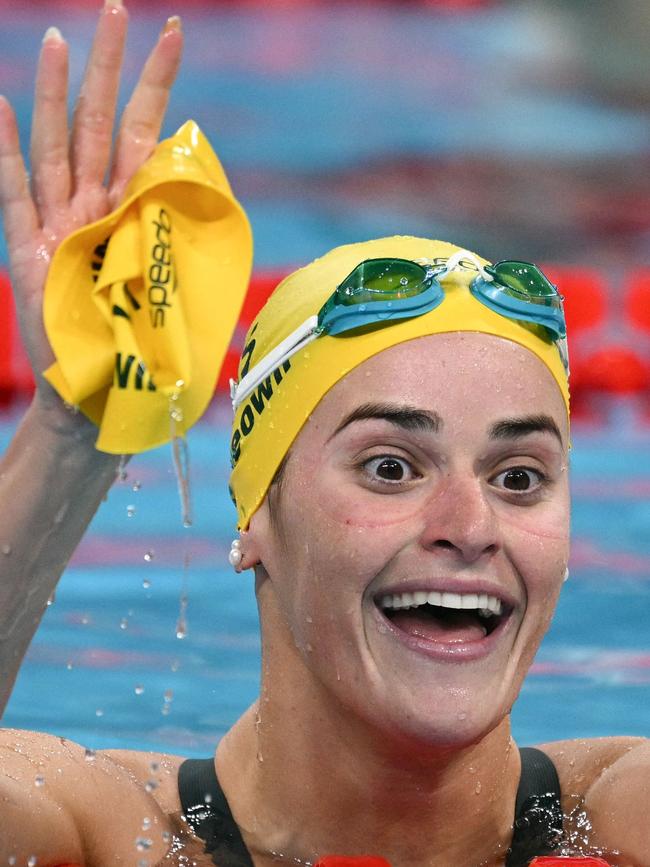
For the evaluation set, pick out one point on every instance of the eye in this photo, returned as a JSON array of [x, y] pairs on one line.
[[519, 479], [390, 469]]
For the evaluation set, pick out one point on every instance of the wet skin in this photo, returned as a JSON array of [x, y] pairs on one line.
[[446, 502]]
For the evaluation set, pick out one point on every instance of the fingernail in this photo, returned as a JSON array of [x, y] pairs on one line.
[[112, 4], [173, 23], [53, 33]]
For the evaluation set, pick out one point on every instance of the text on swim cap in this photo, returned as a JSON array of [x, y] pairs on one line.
[[162, 274], [125, 365], [253, 409]]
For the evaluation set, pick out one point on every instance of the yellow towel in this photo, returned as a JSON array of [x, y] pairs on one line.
[[140, 306]]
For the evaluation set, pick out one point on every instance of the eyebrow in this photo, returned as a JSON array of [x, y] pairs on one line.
[[514, 428], [408, 418]]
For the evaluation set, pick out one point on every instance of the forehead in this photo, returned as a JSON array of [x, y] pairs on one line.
[[465, 377]]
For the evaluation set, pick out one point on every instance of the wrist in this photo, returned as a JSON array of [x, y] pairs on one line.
[[65, 427]]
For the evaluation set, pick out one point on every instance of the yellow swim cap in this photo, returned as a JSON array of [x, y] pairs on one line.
[[140, 306], [267, 422]]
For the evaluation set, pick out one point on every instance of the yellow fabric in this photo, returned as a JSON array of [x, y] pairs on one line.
[[140, 326], [269, 420]]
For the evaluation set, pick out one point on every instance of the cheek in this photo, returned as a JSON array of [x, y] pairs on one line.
[[329, 551], [539, 551]]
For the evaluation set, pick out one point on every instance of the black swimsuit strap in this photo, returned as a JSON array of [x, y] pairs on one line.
[[538, 809], [537, 825], [208, 814]]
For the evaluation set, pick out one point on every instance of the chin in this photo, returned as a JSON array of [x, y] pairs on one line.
[[443, 724]]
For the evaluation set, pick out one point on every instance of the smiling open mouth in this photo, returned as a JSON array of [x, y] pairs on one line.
[[444, 617]]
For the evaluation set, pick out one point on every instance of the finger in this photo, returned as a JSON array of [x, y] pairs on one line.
[[145, 112], [18, 211], [92, 131], [49, 142]]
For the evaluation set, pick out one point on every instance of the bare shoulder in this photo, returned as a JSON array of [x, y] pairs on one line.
[[62, 802], [157, 773], [609, 778]]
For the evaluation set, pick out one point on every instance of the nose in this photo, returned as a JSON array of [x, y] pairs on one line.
[[461, 520]]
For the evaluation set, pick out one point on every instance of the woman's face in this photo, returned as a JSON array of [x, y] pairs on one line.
[[433, 476]]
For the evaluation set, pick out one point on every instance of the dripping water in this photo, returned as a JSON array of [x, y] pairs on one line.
[[181, 460]]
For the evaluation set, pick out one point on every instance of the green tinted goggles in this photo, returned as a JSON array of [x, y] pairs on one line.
[[380, 291]]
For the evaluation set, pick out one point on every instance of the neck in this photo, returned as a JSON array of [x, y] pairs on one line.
[[305, 778]]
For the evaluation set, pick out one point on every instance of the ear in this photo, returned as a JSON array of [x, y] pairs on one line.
[[253, 541]]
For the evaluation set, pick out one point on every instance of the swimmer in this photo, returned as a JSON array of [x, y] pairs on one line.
[[409, 541]]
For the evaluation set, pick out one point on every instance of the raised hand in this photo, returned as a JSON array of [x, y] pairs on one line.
[[52, 478], [77, 176]]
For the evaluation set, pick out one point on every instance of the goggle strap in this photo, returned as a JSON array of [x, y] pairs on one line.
[[457, 258], [299, 338]]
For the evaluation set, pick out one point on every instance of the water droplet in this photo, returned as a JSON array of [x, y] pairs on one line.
[[143, 843], [6, 549], [68, 665], [403, 281], [146, 583], [181, 461], [478, 788], [130, 511], [150, 785], [124, 623], [39, 780], [176, 664], [181, 623], [462, 716], [135, 487], [154, 767], [139, 689], [99, 712], [52, 599], [207, 798], [148, 556], [32, 861], [89, 755], [167, 699], [146, 824], [122, 474], [11, 860], [166, 836]]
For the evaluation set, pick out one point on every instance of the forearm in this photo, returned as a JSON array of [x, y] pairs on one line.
[[52, 480]]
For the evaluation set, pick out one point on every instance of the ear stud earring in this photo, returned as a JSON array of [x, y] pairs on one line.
[[235, 555]]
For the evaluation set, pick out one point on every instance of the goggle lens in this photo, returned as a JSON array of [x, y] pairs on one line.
[[524, 281], [382, 280]]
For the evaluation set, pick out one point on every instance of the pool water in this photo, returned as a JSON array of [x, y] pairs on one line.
[[107, 669], [336, 123]]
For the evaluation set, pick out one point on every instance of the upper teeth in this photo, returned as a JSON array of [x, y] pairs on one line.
[[463, 601]]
